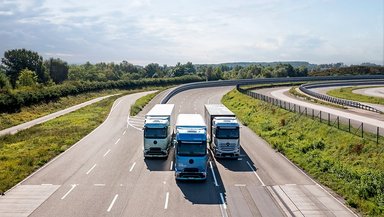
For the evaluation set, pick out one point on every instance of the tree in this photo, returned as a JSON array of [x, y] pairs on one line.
[[4, 82], [27, 78], [152, 70], [18, 59], [178, 70], [58, 69], [189, 68]]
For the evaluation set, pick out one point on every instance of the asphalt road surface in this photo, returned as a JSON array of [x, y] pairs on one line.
[[377, 91], [105, 174]]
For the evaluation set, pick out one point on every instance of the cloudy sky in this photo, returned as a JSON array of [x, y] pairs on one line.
[[200, 31]]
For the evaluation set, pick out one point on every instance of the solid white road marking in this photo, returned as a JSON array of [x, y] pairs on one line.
[[240, 185], [171, 166], [46, 184], [213, 173], [113, 202], [166, 201], [124, 132], [65, 195], [222, 201], [130, 170], [116, 105], [106, 152], [90, 170], [255, 173], [117, 141], [99, 185]]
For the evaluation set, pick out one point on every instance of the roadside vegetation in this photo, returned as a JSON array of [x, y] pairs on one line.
[[28, 150], [351, 166], [346, 93], [39, 110], [141, 102]]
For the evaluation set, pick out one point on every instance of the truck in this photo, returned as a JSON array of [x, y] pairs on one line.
[[223, 131], [191, 152], [158, 131]]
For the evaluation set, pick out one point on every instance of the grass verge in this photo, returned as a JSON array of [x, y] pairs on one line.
[[351, 166], [26, 114], [346, 93], [298, 94], [141, 102], [28, 150]]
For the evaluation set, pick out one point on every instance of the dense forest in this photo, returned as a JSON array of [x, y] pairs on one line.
[[26, 78]]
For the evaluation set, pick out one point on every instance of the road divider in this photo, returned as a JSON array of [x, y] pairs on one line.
[[112, 203], [90, 170], [254, 172], [133, 165], [166, 200], [213, 174], [72, 187]]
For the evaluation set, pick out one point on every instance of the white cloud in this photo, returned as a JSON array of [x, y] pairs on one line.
[[170, 31]]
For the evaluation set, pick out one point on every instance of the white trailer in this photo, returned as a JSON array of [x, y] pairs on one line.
[[158, 131], [223, 131]]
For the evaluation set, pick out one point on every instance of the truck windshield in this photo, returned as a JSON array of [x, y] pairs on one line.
[[159, 133], [191, 148], [227, 133]]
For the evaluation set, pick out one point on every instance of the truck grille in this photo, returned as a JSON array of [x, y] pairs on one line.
[[227, 147], [191, 170]]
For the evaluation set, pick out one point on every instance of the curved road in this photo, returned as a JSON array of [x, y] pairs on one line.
[[374, 91], [105, 174]]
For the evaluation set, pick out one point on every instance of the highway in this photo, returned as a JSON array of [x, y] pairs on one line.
[[105, 174]]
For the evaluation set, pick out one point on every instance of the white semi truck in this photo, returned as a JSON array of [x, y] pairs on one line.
[[158, 131], [223, 131], [191, 154]]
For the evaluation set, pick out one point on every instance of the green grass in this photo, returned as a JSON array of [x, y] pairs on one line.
[[141, 102], [346, 93], [259, 86], [28, 150], [32, 112], [351, 166]]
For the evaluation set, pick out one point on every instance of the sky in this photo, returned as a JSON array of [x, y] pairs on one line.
[[199, 31]]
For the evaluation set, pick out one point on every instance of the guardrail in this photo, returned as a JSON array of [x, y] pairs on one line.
[[203, 84], [359, 128], [339, 122], [306, 89]]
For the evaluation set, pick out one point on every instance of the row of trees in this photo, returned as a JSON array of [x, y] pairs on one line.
[[22, 68]]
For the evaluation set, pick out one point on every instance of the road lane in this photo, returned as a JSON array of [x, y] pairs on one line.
[[244, 192], [150, 188], [279, 94]]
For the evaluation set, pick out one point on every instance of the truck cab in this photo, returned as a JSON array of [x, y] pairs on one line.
[[157, 136], [158, 131], [191, 153], [225, 137], [223, 131]]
